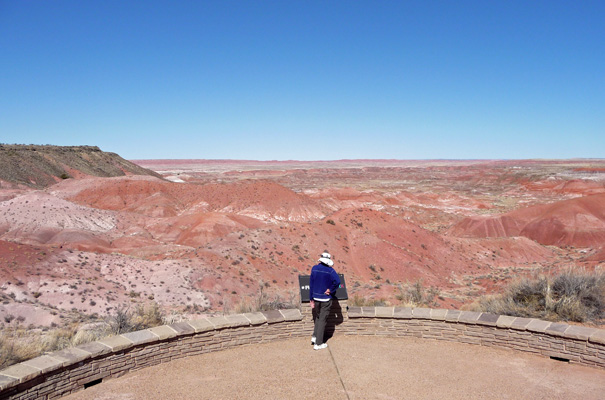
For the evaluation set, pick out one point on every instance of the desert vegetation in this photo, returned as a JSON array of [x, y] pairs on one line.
[[265, 302], [410, 294], [571, 296], [417, 295], [19, 342]]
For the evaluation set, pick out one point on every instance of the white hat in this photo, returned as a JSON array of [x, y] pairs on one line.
[[326, 259]]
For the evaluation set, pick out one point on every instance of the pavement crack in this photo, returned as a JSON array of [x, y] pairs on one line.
[[338, 373]]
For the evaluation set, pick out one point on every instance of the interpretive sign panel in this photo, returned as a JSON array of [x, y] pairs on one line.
[[303, 280]]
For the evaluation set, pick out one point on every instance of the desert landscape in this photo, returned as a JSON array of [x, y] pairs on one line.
[[192, 237], [170, 174]]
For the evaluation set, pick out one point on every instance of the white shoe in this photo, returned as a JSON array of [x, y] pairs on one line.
[[313, 340], [320, 346]]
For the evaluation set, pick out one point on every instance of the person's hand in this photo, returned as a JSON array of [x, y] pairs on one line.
[[327, 291], [312, 303]]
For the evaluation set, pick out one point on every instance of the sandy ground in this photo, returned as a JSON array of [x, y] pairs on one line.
[[357, 368]]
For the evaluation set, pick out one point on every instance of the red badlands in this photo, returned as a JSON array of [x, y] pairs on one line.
[[208, 235]]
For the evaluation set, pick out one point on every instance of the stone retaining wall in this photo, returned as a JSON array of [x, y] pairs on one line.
[[572, 343], [62, 372]]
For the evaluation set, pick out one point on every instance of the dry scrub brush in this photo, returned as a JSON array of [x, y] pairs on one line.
[[143, 317], [416, 295], [360, 301], [18, 343], [265, 302], [410, 295], [576, 296]]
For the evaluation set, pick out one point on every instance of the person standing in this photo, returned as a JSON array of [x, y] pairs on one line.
[[322, 287]]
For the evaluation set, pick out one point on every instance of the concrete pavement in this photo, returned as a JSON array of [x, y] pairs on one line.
[[357, 368]]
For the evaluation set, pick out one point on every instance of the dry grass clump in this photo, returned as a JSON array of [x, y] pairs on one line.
[[360, 301], [18, 343], [264, 302], [142, 317], [416, 295], [576, 296], [410, 295]]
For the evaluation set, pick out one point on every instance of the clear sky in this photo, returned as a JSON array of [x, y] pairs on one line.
[[306, 80]]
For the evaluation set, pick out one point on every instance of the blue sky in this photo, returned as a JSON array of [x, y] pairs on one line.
[[306, 80]]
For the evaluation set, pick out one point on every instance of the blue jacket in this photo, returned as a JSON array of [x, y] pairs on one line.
[[322, 278]]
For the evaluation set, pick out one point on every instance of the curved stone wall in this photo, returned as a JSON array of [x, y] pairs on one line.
[[572, 343], [62, 372]]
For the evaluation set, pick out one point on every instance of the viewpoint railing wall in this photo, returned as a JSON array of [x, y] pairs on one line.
[[62, 372]]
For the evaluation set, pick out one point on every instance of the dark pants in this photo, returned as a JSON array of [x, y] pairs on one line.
[[320, 317]]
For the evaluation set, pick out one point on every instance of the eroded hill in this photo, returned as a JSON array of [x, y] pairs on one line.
[[41, 166]]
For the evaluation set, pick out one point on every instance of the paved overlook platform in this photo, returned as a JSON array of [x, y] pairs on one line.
[[357, 368], [373, 353]]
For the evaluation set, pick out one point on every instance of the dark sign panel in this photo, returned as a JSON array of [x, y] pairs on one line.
[[303, 280]]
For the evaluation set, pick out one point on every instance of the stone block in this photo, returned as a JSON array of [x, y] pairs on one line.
[[95, 348], [421, 312], [537, 325], [452, 315], [21, 372], [256, 318], [163, 332], [597, 337], [140, 337], [579, 332], [556, 329], [236, 320], [44, 363], [402, 313], [354, 312], [368, 311], [7, 382], [469, 317], [116, 343], [201, 325], [438, 314], [488, 319], [384, 312], [292, 314], [505, 321], [73, 355], [220, 322], [273, 316], [182, 328], [520, 323]]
